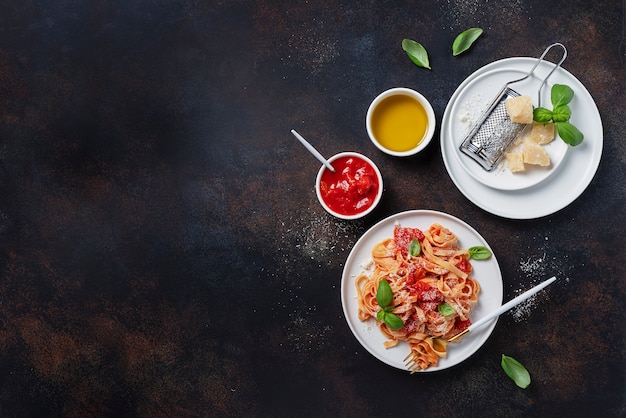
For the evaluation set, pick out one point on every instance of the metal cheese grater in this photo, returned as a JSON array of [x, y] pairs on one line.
[[494, 133]]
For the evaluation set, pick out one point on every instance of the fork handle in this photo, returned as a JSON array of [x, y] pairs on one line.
[[510, 304]]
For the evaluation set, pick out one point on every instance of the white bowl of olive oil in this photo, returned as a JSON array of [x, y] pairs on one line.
[[400, 122]]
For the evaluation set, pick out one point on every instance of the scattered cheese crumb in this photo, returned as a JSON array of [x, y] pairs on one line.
[[367, 265]]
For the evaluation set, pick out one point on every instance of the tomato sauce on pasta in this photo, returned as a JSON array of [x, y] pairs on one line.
[[438, 274]]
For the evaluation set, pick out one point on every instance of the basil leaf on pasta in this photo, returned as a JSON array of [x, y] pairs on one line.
[[380, 316], [415, 248], [393, 321], [479, 252], [384, 294], [445, 309]]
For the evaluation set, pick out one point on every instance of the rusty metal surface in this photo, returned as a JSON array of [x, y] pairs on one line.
[[163, 251]]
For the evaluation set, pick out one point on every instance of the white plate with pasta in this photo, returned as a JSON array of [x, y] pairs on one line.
[[486, 273]]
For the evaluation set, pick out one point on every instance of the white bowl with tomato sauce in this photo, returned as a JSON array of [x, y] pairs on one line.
[[353, 190]]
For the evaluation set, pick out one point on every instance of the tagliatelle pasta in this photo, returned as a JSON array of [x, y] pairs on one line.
[[439, 276]]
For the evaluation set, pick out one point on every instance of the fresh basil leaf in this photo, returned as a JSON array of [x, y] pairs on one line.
[[388, 309], [479, 252], [380, 316], [516, 371], [542, 115], [561, 113], [561, 95], [393, 321], [415, 248], [416, 52], [384, 294], [569, 133], [445, 309], [464, 40]]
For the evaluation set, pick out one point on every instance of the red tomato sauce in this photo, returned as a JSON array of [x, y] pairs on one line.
[[402, 237], [464, 265], [428, 297], [462, 325], [352, 188]]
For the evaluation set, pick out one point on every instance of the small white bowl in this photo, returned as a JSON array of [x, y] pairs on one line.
[[372, 201], [430, 115]]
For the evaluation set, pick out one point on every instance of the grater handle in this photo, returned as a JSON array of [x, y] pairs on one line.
[[532, 70], [551, 71]]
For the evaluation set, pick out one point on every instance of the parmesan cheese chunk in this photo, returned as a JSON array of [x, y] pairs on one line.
[[534, 153], [515, 161], [520, 109], [542, 133]]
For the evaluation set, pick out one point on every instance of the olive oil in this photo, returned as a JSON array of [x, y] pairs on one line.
[[399, 122]]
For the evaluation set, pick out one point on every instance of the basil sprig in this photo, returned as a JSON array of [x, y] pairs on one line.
[[560, 96], [479, 252], [516, 371], [464, 40], [416, 52], [384, 296]]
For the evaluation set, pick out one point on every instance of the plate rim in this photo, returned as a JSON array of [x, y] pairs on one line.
[[516, 210], [478, 339]]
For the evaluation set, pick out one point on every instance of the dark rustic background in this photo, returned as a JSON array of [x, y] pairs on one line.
[[163, 253]]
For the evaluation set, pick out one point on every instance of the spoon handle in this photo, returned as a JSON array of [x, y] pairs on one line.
[[313, 150]]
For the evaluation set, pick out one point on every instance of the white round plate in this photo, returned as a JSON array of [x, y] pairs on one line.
[[486, 272], [562, 186], [475, 95]]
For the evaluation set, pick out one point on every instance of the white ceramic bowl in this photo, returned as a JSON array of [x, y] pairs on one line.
[[324, 172], [430, 114]]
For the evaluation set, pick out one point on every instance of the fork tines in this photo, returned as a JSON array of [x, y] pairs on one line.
[[411, 362]]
